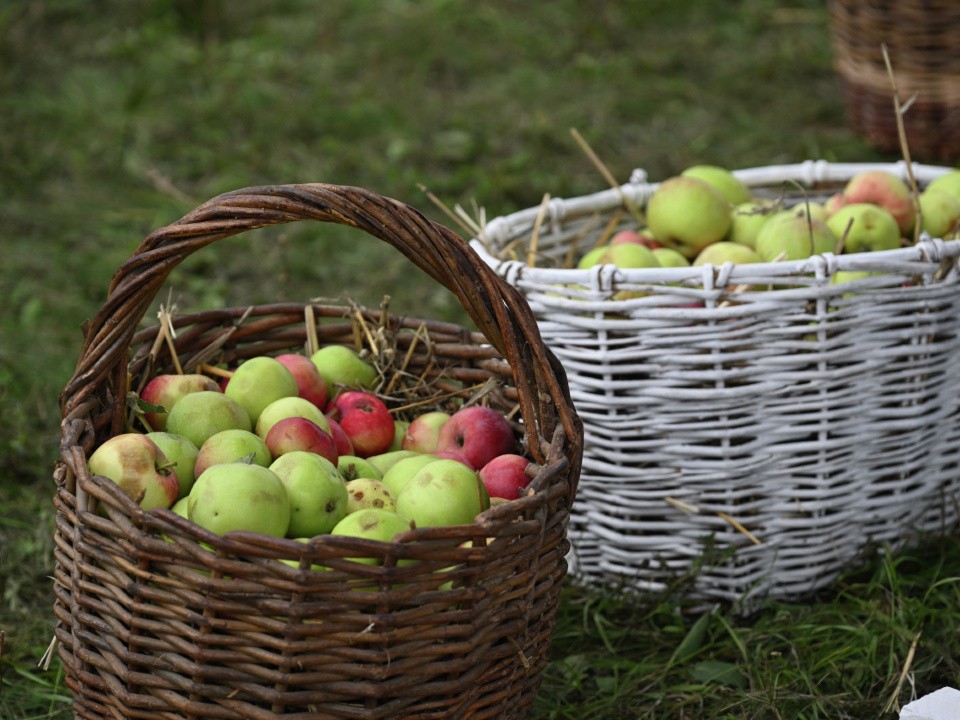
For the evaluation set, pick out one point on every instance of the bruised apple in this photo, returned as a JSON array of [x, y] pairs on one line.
[[138, 466]]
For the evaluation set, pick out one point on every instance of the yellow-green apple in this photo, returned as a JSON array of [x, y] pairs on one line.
[[747, 218], [299, 433], [343, 368], [287, 407], [629, 255], [401, 472], [725, 251], [230, 446], [442, 493], [399, 430], [423, 431], [138, 466], [180, 507], [163, 391], [199, 415], [259, 381], [372, 524], [365, 493], [810, 209], [940, 212], [240, 496], [479, 432], [948, 182], [317, 491], [789, 236], [310, 383], [384, 461], [688, 214], [883, 188], [365, 419], [729, 185], [182, 456], [668, 257], [505, 476], [865, 227], [591, 257], [353, 467]]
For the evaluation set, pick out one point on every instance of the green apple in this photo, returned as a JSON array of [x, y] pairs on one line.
[[229, 446], [182, 456], [240, 496], [399, 430], [688, 214], [259, 381], [318, 494], [668, 257], [865, 227], [296, 563], [286, 407], [747, 218], [729, 185], [365, 493], [138, 466], [940, 212], [199, 415], [445, 492], [789, 236], [180, 507], [883, 188], [948, 182], [352, 467], [372, 524], [591, 257], [725, 251], [384, 461], [402, 471], [343, 368], [163, 391], [424, 430]]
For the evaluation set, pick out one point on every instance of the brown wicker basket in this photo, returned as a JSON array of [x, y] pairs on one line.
[[158, 618], [920, 36]]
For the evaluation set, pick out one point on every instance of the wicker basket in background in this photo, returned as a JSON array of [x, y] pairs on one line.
[[158, 618], [752, 428], [921, 39]]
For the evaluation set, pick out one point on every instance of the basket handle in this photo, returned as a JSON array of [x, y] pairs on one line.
[[498, 309]]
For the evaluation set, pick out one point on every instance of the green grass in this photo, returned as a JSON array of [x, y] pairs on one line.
[[120, 120]]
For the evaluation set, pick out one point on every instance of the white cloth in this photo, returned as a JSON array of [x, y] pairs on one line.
[[944, 704]]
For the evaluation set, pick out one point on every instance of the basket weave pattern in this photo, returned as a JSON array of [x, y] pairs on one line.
[[158, 618], [755, 427], [921, 41]]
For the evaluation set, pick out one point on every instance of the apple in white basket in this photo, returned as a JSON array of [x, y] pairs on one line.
[[181, 455], [725, 251], [240, 496], [746, 220], [591, 257], [352, 467], [299, 433], [729, 185], [164, 391], [443, 493], [135, 463], [310, 383], [288, 407], [810, 209], [342, 367], [229, 446], [365, 419], [834, 203], [638, 237], [259, 381], [688, 214], [479, 432], [401, 472], [788, 236], [505, 476], [372, 524], [940, 212], [384, 461], [949, 182], [199, 415], [668, 257], [318, 493], [424, 430], [363, 493], [865, 227], [883, 188]]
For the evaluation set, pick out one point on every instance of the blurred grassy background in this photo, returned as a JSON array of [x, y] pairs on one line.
[[121, 117]]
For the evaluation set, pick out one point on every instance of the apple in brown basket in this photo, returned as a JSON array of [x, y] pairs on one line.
[[424, 431], [240, 496], [165, 390], [288, 407], [442, 493], [259, 381], [138, 466], [310, 383], [366, 420], [182, 456], [363, 493], [372, 524], [479, 432], [298, 433], [233, 445], [353, 467], [343, 368], [340, 438], [317, 491], [402, 471], [199, 415], [505, 476]]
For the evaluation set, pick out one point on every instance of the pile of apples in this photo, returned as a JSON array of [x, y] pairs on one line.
[[707, 215], [298, 446]]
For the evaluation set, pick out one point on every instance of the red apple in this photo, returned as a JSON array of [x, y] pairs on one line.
[[164, 391], [885, 189], [310, 382], [136, 463], [424, 430], [479, 432], [639, 237], [366, 420], [453, 455], [297, 433], [505, 476], [340, 437]]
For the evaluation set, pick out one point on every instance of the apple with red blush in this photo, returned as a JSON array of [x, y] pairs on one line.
[[138, 466], [506, 476], [310, 383], [479, 433], [365, 419], [340, 437], [299, 433], [165, 390], [424, 431]]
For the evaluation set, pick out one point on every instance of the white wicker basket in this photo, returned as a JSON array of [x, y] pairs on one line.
[[754, 441]]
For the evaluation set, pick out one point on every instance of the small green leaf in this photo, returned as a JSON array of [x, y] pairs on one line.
[[693, 640], [718, 672]]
